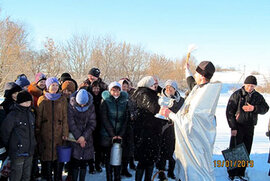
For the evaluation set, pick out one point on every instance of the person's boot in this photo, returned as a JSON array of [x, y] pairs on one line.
[[139, 174], [75, 173], [108, 172], [91, 167], [43, 170], [98, 167], [124, 170], [58, 168], [148, 173], [162, 176], [35, 169], [117, 171], [132, 164], [171, 169], [171, 175], [48, 174], [82, 174]]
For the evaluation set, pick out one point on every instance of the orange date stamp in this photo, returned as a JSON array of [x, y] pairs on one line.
[[236, 163]]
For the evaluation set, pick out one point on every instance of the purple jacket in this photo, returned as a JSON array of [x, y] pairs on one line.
[[82, 123]]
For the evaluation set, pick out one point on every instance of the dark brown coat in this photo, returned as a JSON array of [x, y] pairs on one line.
[[51, 126]]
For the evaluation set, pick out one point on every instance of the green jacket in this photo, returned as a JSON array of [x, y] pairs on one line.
[[113, 114]]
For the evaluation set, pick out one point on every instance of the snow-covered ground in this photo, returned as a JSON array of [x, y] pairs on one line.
[[259, 153]]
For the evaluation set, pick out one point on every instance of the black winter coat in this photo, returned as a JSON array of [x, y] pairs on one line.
[[128, 143], [240, 98], [17, 132], [96, 133], [147, 128]]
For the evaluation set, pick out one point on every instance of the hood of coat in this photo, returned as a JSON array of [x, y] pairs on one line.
[[176, 96], [73, 99], [107, 96]]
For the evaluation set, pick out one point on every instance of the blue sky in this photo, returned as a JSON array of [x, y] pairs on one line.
[[229, 33]]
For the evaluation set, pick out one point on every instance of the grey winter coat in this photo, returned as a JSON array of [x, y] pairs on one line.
[[82, 123]]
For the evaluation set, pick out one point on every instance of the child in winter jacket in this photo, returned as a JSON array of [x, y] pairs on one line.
[[82, 122], [17, 133]]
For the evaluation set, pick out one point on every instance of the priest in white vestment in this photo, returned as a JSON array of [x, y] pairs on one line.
[[195, 126]]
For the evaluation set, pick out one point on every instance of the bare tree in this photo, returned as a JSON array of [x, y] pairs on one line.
[[159, 66], [13, 44], [53, 58], [77, 54], [118, 60]]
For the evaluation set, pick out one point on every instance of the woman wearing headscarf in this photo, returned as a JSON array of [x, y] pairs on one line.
[[114, 114], [168, 135]]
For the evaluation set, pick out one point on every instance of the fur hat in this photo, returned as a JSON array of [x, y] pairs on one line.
[[172, 84], [114, 84], [23, 96], [10, 88], [65, 76], [251, 80], [51, 80], [94, 71], [22, 81], [147, 81], [69, 85], [82, 97], [206, 68]]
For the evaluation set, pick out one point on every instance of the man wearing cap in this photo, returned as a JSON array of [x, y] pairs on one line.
[[242, 114], [195, 126], [204, 72], [93, 75]]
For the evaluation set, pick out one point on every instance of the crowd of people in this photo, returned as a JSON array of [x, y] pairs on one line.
[[38, 117]]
